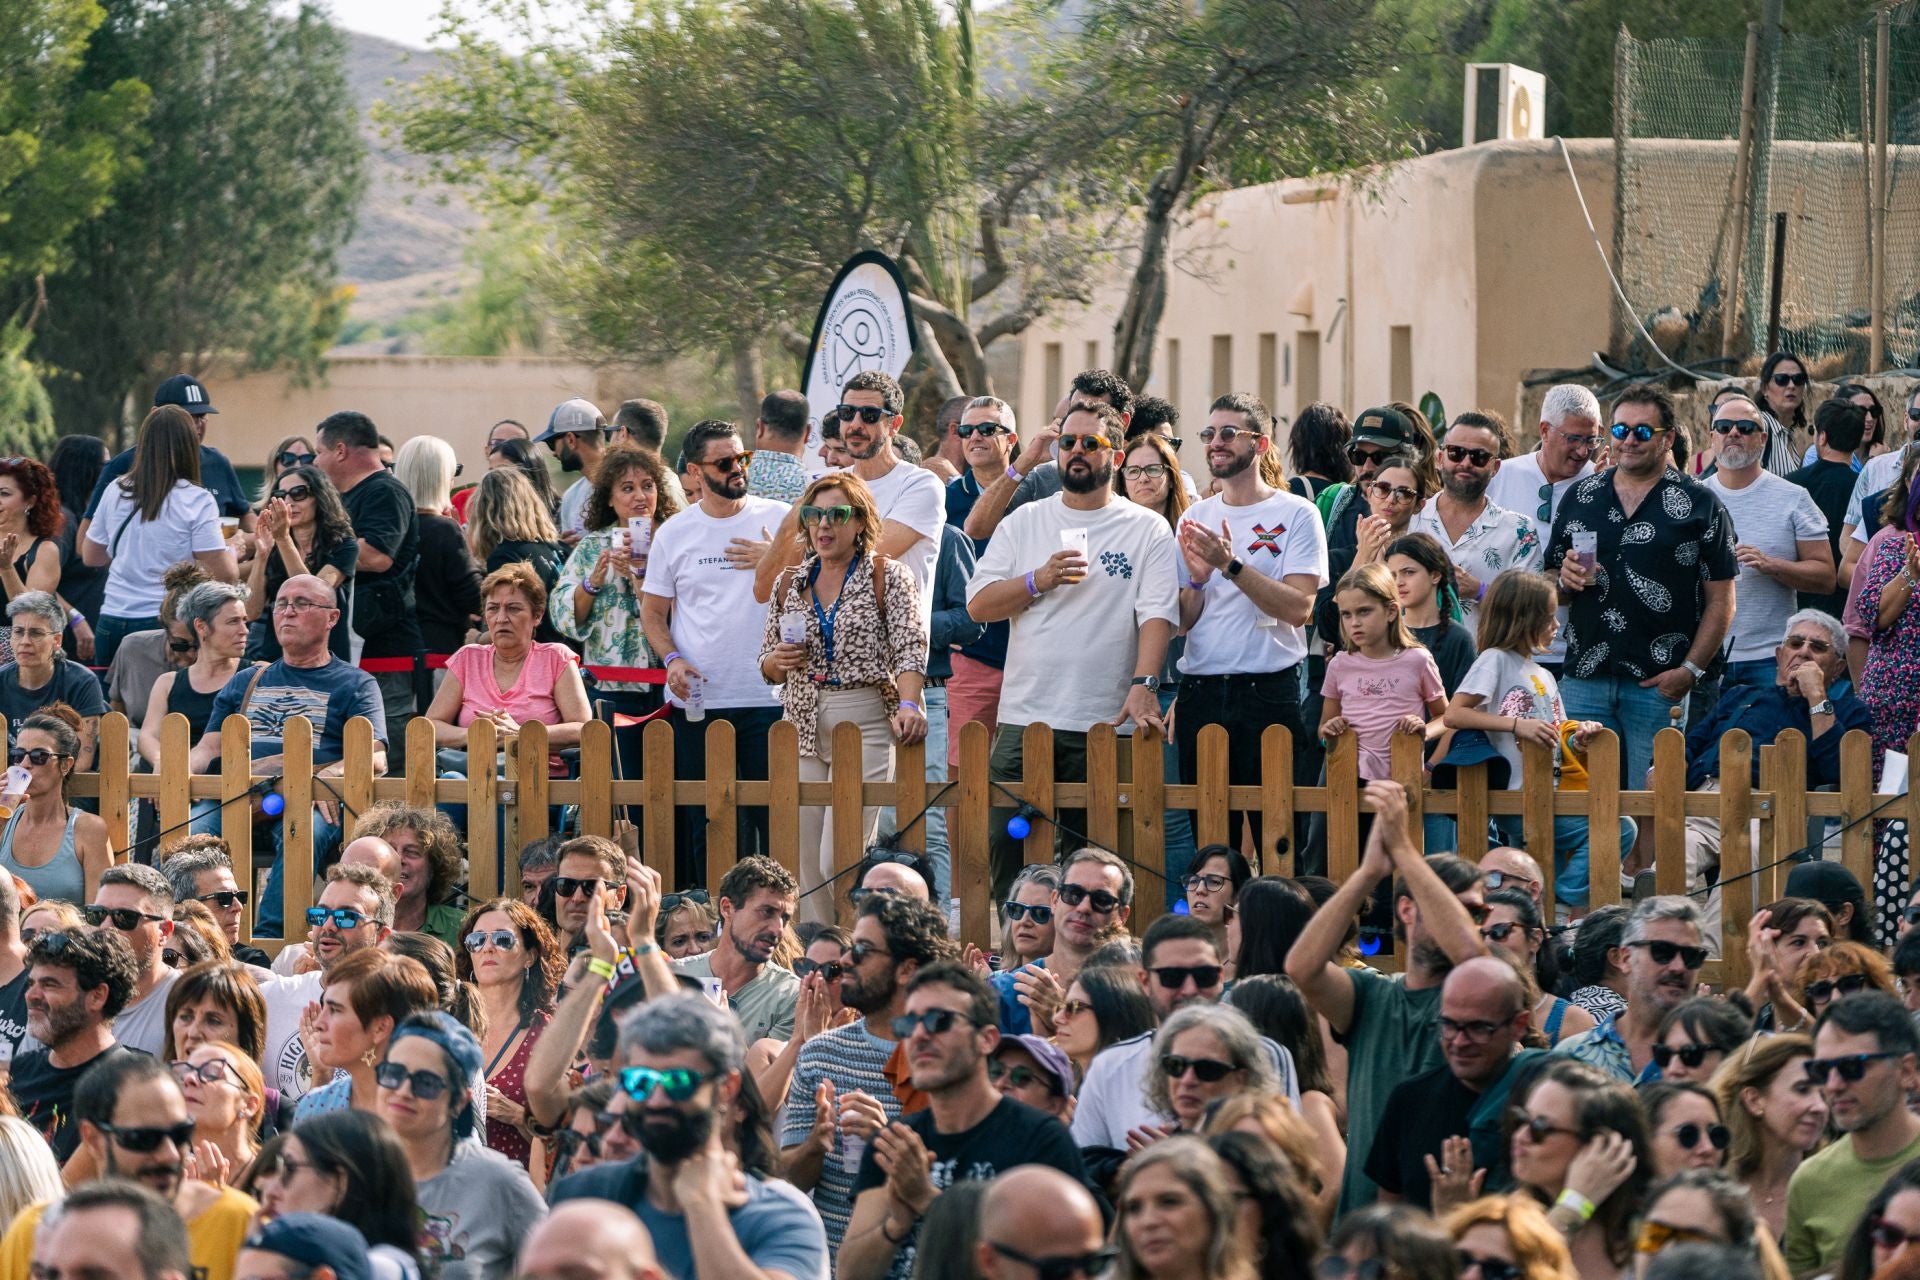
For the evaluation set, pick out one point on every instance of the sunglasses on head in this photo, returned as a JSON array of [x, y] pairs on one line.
[[1490, 1268], [1852, 1067], [829, 970], [1691, 1055], [1640, 431], [1205, 1070], [1689, 1135], [1664, 952], [288, 458], [1062, 1267], [1174, 976], [832, 517], [1084, 443], [937, 1021], [125, 919], [679, 1084], [1789, 379], [225, 899], [35, 756], [674, 901], [571, 886], [342, 917], [141, 1139], [1102, 902], [968, 429], [1457, 454], [502, 940], [426, 1085], [1020, 911], [1889, 1236], [867, 413], [1825, 989]]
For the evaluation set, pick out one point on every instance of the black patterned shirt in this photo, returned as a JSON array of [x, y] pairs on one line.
[[1638, 617]]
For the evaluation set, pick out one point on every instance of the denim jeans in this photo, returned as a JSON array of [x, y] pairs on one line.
[[1759, 672], [111, 631], [939, 852], [1572, 872], [1634, 713], [326, 839]]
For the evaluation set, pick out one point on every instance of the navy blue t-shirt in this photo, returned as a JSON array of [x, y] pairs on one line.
[[216, 474], [329, 696]]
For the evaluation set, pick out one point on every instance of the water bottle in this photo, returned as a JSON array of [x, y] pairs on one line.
[[696, 698]]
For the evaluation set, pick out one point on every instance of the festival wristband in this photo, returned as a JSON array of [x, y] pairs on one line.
[[586, 585], [668, 660], [1014, 475], [1571, 1199], [904, 704], [602, 969], [1033, 588], [1481, 594]]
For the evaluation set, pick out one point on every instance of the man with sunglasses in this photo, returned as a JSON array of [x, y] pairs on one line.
[[844, 1089], [1864, 1051], [1089, 900], [1038, 1224], [354, 912], [132, 1119], [1035, 473], [1480, 536], [577, 434], [77, 983], [697, 602], [683, 1060], [1647, 616], [969, 1130], [1808, 692], [1388, 1024], [1179, 965], [1535, 483], [1665, 949], [587, 867], [137, 901], [200, 869], [1089, 631]]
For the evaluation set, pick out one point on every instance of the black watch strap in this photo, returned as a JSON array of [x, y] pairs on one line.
[[1234, 566]]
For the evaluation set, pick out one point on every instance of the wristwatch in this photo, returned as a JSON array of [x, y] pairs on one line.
[[1234, 566], [1823, 708], [1698, 672], [1151, 683]]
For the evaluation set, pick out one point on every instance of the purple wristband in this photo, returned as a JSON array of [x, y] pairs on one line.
[[1033, 588]]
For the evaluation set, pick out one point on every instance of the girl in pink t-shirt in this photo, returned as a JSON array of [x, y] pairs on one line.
[[1384, 682]]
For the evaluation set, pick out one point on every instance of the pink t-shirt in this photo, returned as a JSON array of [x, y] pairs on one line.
[[531, 697], [1859, 626], [1375, 693]]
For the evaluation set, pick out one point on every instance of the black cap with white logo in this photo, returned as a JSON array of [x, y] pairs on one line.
[[184, 390]]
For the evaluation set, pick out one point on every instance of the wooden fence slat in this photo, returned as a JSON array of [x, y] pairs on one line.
[[1276, 802], [1037, 772], [656, 770], [1736, 855], [1768, 880], [596, 782], [910, 796], [355, 785], [1471, 821], [783, 781], [1149, 802], [1603, 819], [1856, 790], [116, 797], [1210, 824], [1407, 763], [483, 799], [297, 890], [175, 804], [236, 813], [423, 768], [968, 831], [848, 776], [1790, 804], [530, 807], [1103, 787], [1669, 786], [723, 831], [1536, 802], [1343, 808]]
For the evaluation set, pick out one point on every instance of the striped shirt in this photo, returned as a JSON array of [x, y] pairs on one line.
[[853, 1059]]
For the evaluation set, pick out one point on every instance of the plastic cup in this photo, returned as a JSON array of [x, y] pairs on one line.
[[793, 628], [639, 536], [1586, 549]]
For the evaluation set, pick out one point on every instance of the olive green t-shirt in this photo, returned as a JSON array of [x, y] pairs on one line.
[[1393, 1037], [1828, 1194]]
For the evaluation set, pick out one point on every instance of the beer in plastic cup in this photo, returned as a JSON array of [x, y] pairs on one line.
[[13, 791], [1586, 549]]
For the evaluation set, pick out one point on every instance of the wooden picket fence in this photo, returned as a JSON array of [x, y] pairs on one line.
[[1124, 801]]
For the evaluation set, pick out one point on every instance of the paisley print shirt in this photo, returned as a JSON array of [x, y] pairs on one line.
[[1639, 615]]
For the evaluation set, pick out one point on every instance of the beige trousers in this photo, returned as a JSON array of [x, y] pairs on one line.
[[866, 708]]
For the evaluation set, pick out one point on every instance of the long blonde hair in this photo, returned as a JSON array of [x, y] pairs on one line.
[[505, 508], [28, 1173], [1377, 581], [1538, 1250]]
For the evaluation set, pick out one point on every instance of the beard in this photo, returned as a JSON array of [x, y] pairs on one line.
[[569, 459], [672, 1136], [63, 1022], [1465, 488], [864, 452], [1231, 469], [1738, 457], [732, 487], [1088, 481], [867, 998]]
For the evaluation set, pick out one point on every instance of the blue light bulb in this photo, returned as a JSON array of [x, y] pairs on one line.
[[273, 803], [1018, 827]]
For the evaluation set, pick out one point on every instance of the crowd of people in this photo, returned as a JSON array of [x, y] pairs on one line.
[[608, 1074]]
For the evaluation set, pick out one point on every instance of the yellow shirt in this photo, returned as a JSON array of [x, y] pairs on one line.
[[214, 1237]]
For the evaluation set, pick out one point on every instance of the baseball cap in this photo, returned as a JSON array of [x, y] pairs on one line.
[[1048, 1056], [315, 1240], [186, 391], [1385, 426], [575, 416], [1828, 883]]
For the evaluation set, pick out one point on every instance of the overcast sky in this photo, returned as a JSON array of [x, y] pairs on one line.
[[409, 22]]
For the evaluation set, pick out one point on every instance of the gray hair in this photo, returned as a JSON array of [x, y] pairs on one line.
[[183, 870], [362, 876], [1236, 1034], [143, 878], [672, 1023], [207, 599], [999, 406], [1835, 629], [1040, 873], [1569, 400], [542, 854], [41, 604], [1671, 907], [424, 466]]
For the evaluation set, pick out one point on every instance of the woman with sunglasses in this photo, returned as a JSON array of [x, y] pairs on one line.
[[291, 452], [1889, 1227], [1775, 1115], [509, 953], [1578, 1143], [349, 1165], [1388, 1242], [1783, 395], [1204, 1053], [1507, 1238], [1103, 1007], [366, 996], [845, 643], [303, 529], [1026, 917], [688, 923], [1513, 924], [1843, 969], [479, 1204], [1696, 1036], [1703, 1206], [59, 850], [226, 1096], [1684, 1120], [1176, 1218], [447, 579]]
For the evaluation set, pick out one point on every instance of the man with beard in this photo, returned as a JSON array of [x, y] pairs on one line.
[[1780, 541], [1647, 612], [850, 1073], [697, 602], [77, 983], [1037, 472], [1388, 1024], [1536, 482], [1665, 954], [1254, 558], [1087, 574], [134, 1124], [969, 1131], [200, 869], [577, 434], [1481, 538], [757, 900], [587, 867], [706, 1214], [137, 901], [355, 911], [431, 864], [1091, 902], [1179, 965]]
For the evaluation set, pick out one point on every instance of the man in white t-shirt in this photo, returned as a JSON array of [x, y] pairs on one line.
[[1780, 540], [355, 911], [1534, 483], [138, 901], [701, 614], [1087, 580], [1482, 538], [1254, 556]]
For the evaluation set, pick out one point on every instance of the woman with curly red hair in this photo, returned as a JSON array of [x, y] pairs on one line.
[[30, 524]]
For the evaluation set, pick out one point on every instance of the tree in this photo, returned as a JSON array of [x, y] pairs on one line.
[[1205, 96], [224, 243]]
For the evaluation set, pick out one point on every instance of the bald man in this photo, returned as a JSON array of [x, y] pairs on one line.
[[1510, 868], [374, 852], [1449, 1118], [894, 877], [589, 1240], [1034, 1215]]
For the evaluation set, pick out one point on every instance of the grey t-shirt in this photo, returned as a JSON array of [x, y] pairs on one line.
[[478, 1210], [142, 1025], [764, 1006], [1774, 515]]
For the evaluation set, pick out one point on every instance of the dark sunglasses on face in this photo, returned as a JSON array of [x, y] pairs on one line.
[[1538, 1128], [1808, 642], [937, 1021], [1064, 1267], [1745, 426], [342, 917], [1852, 1067], [679, 1084], [173, 959], [141, 1140], [176, 645], [125, 919], [1499, 932], [225, 899], [1490, 1268], [867, 413], [829, 970], [1475, 1032], [732, 462], [1174, 976], [674, 901], [1789, 379], [859, 951], [1017, 911], [288, 458], [832, 517], [1102, 902], [1689, 1135], [502, 940], [1205, 1070], [1019, 1077], [1691, 1055], [1913, 413], [571, 886], [1825, 989], [1084, 443], [296, 493], [1457, 454], [969, 429], [1365, 457], [426, 1085], [1381, 489], [1886, 1235], [1664, 952], [1642, 432], [35, 756]]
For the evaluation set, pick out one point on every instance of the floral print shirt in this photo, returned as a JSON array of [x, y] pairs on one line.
[[612, 635], [1496, 540]]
